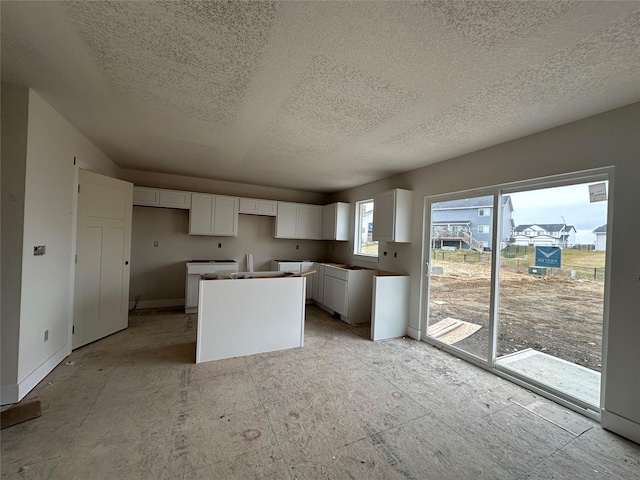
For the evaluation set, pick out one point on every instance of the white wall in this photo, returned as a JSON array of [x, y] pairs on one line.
[[158, 273], [48, 217], [609, 139]]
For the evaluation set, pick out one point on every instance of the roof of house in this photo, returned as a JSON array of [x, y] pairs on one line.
[[476, 202], [547, 227], [601, 229]]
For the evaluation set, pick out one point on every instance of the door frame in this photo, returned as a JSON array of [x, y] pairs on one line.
[[497, 191]]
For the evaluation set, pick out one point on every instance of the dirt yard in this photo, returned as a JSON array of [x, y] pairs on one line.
[[556, 315]]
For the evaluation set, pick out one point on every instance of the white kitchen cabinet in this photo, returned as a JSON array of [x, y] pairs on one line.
[[255, 206], [158, 197], [317, 293], [195, 270], [146, 197], [175, 199], [213, 215], [299, 220], [392, 216], [335, 221], [296, 267], [347, 292]]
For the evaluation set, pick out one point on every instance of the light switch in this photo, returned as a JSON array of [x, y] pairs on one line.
[[155, 243]]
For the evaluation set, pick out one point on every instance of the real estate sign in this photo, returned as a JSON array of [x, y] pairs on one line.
[[548, 257]]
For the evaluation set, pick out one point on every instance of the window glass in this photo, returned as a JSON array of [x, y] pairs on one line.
[[483, 228], [364, 245]]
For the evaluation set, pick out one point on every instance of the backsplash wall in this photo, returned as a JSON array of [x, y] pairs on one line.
[[158, 273]]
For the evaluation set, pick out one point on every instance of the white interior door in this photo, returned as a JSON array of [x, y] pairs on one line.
[[103, 247]]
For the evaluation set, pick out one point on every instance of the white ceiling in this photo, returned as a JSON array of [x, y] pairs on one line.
[[318, 96]]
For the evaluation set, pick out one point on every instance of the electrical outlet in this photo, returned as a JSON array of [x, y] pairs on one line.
[[297, 247], [220, 245], [39, 250], [395, 254], [46, 335]]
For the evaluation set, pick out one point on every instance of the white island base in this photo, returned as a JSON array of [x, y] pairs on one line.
[[248, 316]]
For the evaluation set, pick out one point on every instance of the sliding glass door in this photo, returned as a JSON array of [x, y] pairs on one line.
[[551, 297], [516, 281], [460, 276]]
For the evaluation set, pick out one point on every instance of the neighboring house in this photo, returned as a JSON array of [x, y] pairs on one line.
[[601, 237], [545, 234], [467, 223]]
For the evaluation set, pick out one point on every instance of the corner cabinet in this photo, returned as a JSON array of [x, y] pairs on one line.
[[213, 215], [392, 216], [299, 220], [335, 221]]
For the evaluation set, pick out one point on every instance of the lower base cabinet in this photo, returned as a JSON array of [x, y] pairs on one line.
[[347, 292], [296, 267]]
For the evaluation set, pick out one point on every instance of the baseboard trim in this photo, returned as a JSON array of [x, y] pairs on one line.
[[620, 425], [15, 393], [168, 302], [414, 333]]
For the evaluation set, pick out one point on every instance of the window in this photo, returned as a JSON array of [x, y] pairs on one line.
[[484, 212], [483, 228], [364, 245]]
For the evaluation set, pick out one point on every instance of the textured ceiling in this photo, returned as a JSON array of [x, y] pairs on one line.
[[318, 96]]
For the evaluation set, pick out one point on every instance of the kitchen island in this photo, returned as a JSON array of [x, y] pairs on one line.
[[245, 316]]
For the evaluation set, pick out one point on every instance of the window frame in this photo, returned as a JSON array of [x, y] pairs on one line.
[[357, 243], [483, 227]]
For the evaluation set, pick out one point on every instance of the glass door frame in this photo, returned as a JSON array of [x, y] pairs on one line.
[[497, 192]]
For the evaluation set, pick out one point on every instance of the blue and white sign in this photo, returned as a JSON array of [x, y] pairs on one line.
[[548, 257]]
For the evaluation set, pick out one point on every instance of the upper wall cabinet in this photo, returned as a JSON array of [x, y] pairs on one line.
[[299, 220], [254, 206], [392, 216], [335, 221], [213, 215], [157, 197]]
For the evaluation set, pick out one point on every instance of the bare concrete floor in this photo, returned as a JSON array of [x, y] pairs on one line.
[[136, 406]]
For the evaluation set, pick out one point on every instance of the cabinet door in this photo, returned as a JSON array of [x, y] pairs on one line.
[[318, 283], [309, 219], [145, 196], [286, 220], [175, 199], [383, 216], [305, 267], [341, 295], [267, 207], [329, 294], [193, 282], [225, 216], [201, 214]]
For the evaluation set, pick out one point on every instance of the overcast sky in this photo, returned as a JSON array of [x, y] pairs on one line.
[[550, 205]]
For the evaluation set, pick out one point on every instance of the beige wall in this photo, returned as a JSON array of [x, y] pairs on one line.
[[158, 273], [609, 139]]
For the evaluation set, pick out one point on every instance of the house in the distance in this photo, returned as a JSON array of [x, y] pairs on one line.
[[467, 223], [545, 234], [601, 238]]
